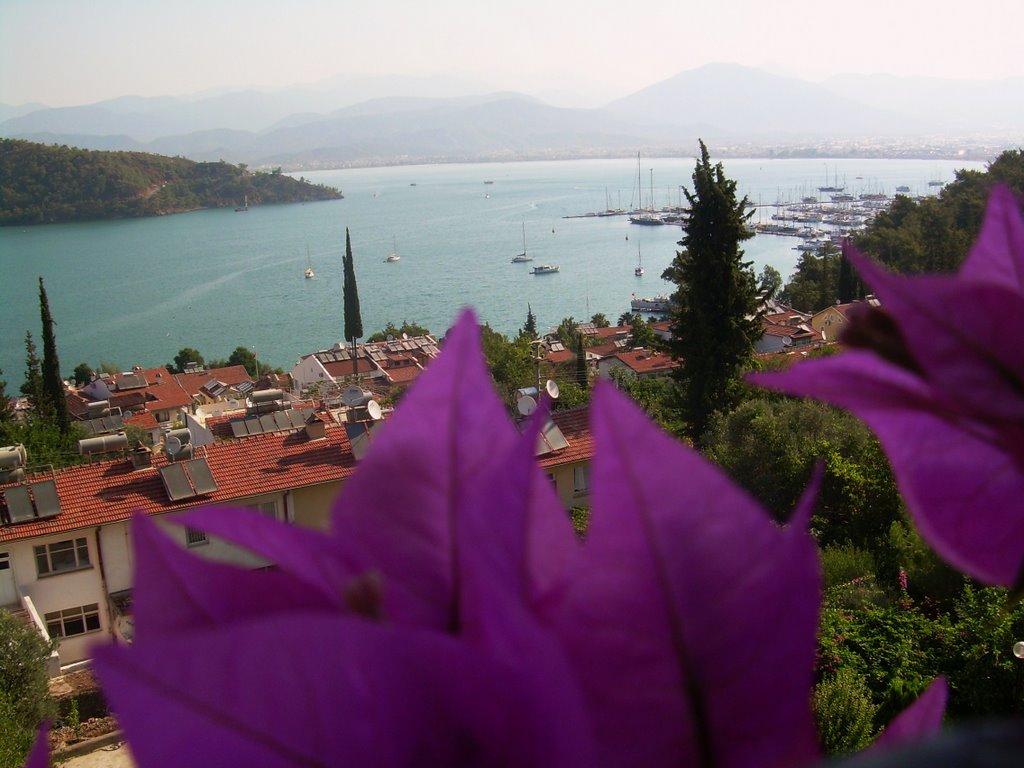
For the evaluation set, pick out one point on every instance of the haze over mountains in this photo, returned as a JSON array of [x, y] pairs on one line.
[[378, 120]]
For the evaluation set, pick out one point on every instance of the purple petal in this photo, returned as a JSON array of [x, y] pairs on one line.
[[175, 589], [966, 336], [39, 757], [920, 720], [998, 253], [962, 480], [310, 689], [523, 537], [517, 563], [323, 563], [401, 509], [692, 618]]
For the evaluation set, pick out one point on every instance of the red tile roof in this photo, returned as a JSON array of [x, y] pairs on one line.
[[109, 491], [144, 420], [231, 375], [343, 368], [644, 361], [405, 374], [575, 425]]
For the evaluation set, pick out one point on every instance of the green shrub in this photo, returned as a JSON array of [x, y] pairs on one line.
[[844, 712], [844, 563]]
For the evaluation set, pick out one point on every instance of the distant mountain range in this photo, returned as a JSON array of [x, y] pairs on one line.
[[379, 120]]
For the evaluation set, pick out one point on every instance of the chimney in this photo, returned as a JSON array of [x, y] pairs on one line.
[[140, 456], [315, 428]]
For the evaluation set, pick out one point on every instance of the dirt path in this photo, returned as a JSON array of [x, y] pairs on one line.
[[112, 756]]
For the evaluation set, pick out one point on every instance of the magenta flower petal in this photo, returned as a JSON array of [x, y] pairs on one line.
[[324, 563], [523, 537], [522, 541], [310, 690], [39, 756], [965, 336], [175, 589], [401, 509], [920, 720], [692, 617], [998, 255]]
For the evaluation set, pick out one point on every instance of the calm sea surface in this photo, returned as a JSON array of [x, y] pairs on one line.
[[135, 292]]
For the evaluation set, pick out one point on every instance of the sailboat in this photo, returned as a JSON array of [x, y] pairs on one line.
[[309, 265], [522, 257], [244, 206], [639, 270], [394, 252]]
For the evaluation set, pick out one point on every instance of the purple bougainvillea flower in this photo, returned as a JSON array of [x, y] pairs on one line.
[[39, 756], [452, 617], [937, 371], [922, 718], [692, 614]]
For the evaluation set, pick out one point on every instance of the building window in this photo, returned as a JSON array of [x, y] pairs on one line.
[[73, 621], [5, 561], [268, 508], [581, 479], [62, 556], [194, 538]]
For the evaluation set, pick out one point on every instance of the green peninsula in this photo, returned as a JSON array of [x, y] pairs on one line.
[[47, 184]]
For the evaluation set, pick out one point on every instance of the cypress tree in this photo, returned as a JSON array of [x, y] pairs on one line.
[[53, 384], [350, 293], [847, 281], [6, 409], [529, 330], [715, 313], [32, 388], [581, 362]]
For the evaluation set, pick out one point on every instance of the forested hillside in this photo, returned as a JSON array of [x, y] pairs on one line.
[[44, 184]]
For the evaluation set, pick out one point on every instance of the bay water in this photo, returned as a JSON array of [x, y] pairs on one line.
[[136, 291]]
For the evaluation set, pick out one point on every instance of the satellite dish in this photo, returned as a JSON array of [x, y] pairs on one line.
[[552, 389], [172, 446], [373, 410], [352, 395], [405, 336], [390, 337], [526, 405]]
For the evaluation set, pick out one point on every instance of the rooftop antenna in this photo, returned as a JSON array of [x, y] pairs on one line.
[[526, 405], [352, 395], [172, 447]]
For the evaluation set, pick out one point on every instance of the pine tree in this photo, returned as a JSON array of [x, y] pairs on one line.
[[350, 293], [53, 384], [715, 317]]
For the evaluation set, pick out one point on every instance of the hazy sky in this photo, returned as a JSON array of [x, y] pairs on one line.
[[64, 52]]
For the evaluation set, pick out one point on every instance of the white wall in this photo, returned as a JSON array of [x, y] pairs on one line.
[[60, 591]]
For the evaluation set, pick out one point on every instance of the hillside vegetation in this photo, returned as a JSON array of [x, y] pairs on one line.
[[45, 184]]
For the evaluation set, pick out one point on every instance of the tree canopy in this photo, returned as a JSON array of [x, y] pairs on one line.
[[714, 319], [48, 184]]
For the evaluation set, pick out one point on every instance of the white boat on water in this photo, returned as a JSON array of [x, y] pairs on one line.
[[522, 257], [309, 265], [656, 304], [545, 269], [639, 269], [393, 256]]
